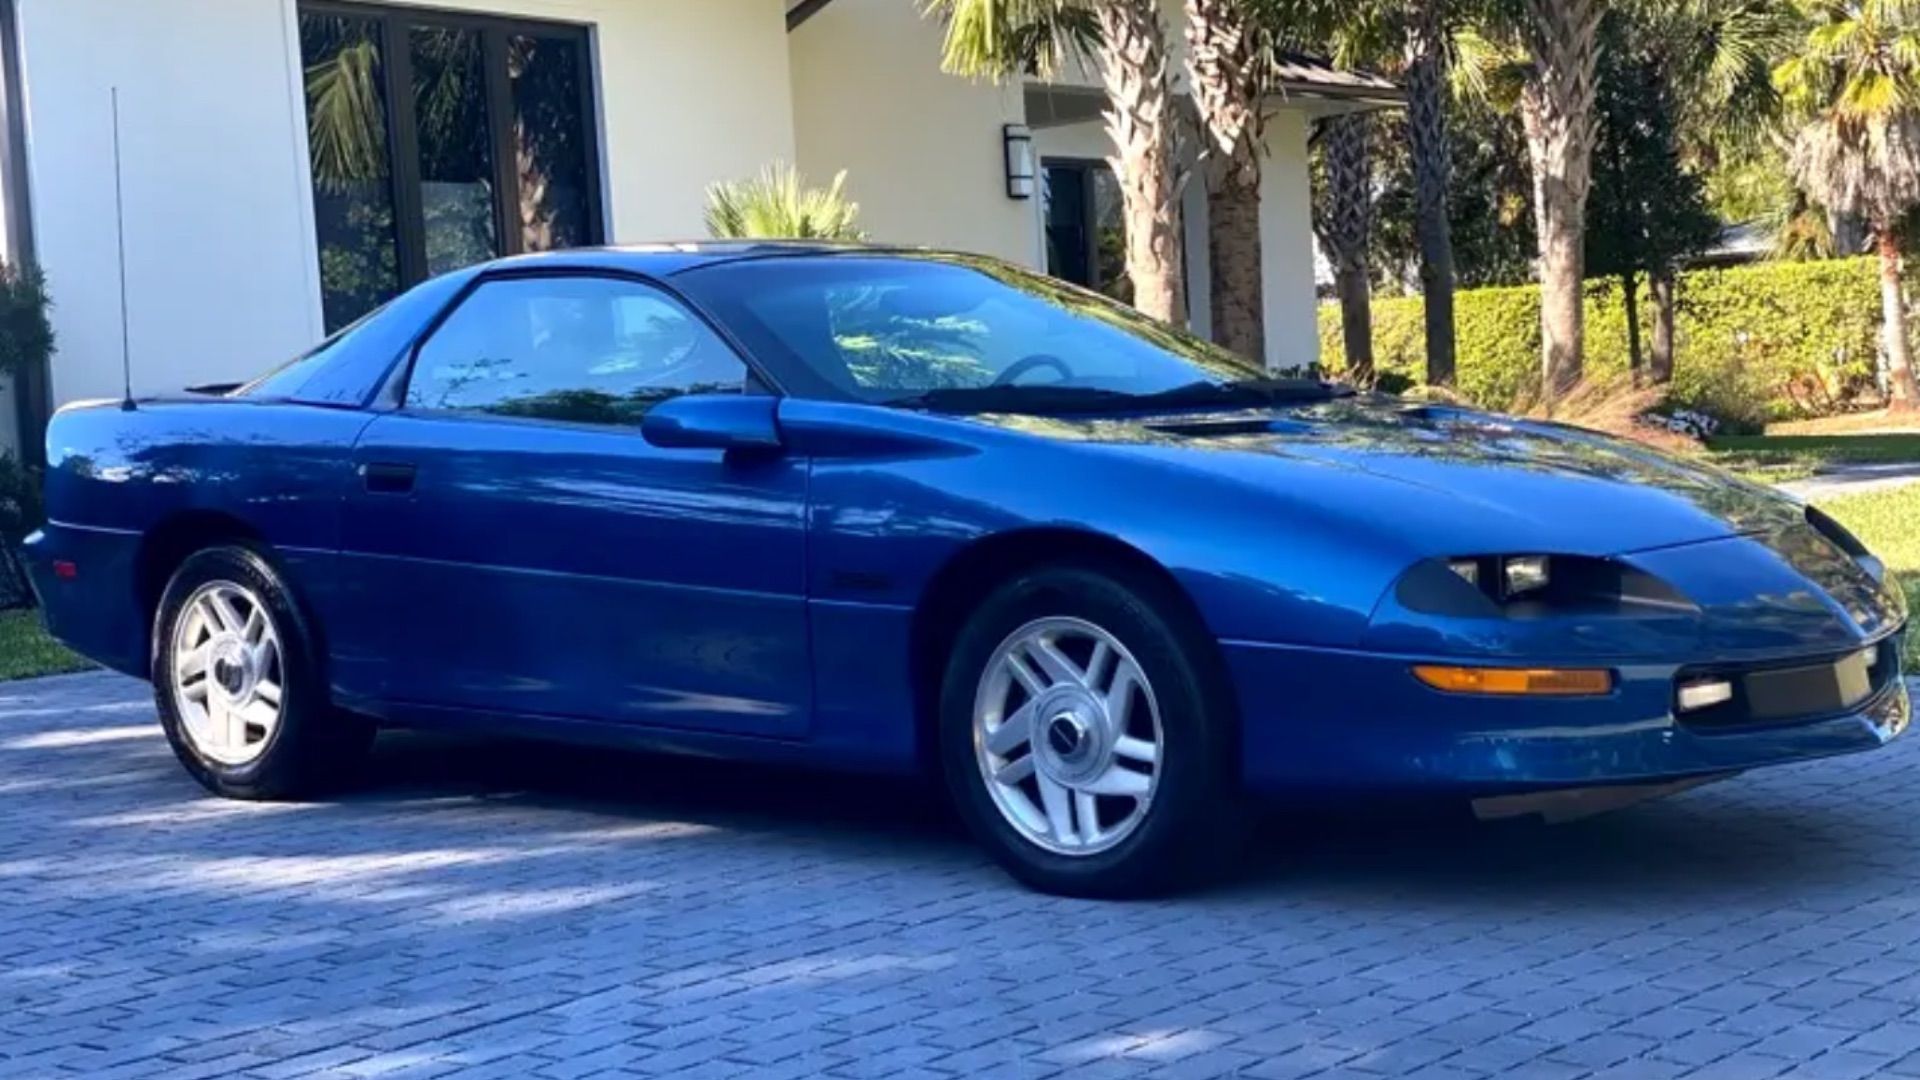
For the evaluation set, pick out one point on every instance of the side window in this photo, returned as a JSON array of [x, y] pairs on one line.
[[586, 350]]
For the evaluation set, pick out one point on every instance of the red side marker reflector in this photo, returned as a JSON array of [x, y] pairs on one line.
[[65, 569]]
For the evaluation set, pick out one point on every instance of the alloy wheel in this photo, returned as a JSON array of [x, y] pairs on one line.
[[1067, 734], [228, 676]]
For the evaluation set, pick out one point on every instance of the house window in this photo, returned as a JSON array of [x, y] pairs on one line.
[[1086, 231], [439, 141]]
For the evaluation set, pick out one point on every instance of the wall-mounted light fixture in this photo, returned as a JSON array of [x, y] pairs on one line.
[[1018, 139]]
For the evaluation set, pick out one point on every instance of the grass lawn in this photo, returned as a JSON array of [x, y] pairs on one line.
[[1775, 459], [27, 651], [1888, 522]]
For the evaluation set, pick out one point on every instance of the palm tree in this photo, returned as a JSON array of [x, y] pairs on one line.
[[1427, 48], [778, 205], [1855, 88], [1716, 60], [1228, 67], [1556, 111], [1127, 43], [1343, 219], [1548, 49], [1414, 39]]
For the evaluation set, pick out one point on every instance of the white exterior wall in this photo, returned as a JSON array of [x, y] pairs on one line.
[[220, 275], [1286, 232], [221, 263], [923, 150], [1286, 238]]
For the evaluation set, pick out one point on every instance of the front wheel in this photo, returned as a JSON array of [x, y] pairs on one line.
[[1084, 741], [238, 682]]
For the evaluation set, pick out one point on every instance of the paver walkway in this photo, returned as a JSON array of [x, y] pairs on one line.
[[493, 909]]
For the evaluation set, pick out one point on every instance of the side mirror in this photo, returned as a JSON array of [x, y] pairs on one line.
[[714, 422]]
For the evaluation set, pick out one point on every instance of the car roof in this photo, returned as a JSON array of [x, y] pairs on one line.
[[666, 259]]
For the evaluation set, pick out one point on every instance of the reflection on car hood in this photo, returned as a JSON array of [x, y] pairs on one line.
[[1468, 479]]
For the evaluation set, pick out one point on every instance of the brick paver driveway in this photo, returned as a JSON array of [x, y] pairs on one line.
[[555, 912]]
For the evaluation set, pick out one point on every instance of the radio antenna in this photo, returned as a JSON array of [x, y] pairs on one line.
[[120, 234]]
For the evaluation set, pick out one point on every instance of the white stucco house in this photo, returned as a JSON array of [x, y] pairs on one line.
[[287, 164]]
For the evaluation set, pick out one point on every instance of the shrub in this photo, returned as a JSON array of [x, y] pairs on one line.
[[26, 335], [20, 514], [1768, 342], [26, 342]]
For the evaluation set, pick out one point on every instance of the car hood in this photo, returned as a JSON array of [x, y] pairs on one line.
[[1446, 479]]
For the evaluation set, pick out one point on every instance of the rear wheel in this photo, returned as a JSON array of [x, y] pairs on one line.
[[1084, 740], [239, 686]]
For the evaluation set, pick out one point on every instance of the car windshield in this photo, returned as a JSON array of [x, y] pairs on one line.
[[966, 334]]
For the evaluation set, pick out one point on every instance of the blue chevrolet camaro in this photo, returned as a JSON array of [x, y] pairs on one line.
[[892, 510]]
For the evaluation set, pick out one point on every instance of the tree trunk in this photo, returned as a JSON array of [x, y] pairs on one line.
[[1140, 121], [1556, 108], [1660, 282], [1344, 220], [1233, 238], [1630, 300], [1426, 79], [1223, 70], [1902, 393], [1356, 322]]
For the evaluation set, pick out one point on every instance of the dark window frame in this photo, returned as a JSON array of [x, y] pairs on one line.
[[757, 382], [1086, 167], [1083, 167], [403, 147]]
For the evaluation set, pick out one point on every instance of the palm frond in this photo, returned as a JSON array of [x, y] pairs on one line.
[[1000, 39], [345, 119], [778, 205]]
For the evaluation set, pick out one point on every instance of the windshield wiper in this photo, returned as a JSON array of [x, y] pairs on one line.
[[1060, 400], [1247, 392], [1014, 399]]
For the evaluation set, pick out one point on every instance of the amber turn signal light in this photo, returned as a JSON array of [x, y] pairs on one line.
[[1516, 682]]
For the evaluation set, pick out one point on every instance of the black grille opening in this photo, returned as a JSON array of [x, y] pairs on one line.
[[1791, 693]]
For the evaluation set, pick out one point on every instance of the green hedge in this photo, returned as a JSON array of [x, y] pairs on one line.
[[1755, 343]]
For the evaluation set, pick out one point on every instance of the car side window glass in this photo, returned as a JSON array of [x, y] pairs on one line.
[[588, 350]]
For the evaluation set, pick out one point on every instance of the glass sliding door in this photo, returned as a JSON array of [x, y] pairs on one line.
[[346, 75], [442, 140], [458, 208], [1086, 226], [552, 153]]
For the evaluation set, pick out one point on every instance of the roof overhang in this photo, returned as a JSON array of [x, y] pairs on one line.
[[799, 11], [1058, 105]]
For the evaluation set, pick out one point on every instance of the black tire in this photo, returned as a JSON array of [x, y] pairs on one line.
[[313, 747], [1192, 820]]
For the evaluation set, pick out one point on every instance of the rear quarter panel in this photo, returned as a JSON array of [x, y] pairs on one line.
[[117, 479]]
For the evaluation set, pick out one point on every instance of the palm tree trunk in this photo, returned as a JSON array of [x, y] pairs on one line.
[[1233, 239], [1426, 80], [1902, 393], [1345, 223], [1661, 283], [1224, 72], [1556, 109], [1133, 68], [1630, 300]]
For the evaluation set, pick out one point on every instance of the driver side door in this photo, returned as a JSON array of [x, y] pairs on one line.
[[519, 548]]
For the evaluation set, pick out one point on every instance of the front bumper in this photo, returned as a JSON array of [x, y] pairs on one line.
[[1322, 719]]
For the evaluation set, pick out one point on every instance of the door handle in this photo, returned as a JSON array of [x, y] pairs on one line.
[[387, 477]]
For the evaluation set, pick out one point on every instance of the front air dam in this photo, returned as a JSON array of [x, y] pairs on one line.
[[1572, 804]]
